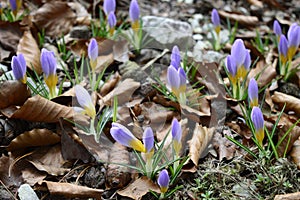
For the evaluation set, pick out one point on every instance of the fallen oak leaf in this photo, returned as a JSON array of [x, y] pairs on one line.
[[241, 19], [295, 153]]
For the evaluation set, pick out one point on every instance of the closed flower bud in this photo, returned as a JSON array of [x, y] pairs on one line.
[[258, 122], [18, 65], [253, 92], [163, 181], [85, 101]]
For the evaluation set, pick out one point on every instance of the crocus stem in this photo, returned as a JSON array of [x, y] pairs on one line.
[[149, 167], [176, 163], [92, 128], [286, 70], [234, 90], [93, 85], [217, 45], [162, 196], [52, 92]]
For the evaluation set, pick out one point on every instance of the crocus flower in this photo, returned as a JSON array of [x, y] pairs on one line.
[[134, 14], [123, 136], [48, 63], [215, 18], [109, 6], [258, 122], [176, 135], [232, 69], [148, 139], [18, 65], [175, 57], [253, 92], [13, 5], [176, 79], [163, 181], [93, 53], [277, 28], [293, 40], [240, 56], [85, 101], [283, 49], [112, 21]]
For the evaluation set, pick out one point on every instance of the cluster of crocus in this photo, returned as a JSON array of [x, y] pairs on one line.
[[287, 46], [258, 122], [176, 77], [238, 64], [18, 65], [134, 14], [48, 63], [109, 7]]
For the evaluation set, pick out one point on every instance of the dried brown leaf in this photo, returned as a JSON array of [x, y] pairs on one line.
[[72, 191], [72, 146], [291, 196], [31, 51], [39, 109], [32, 176], [224, 147], [13, 93], [256, 3], [123, 91], [199, 142], [292, 103], [110, 84], [10, 34], [55, 17], [295, 153], [241, 19], [139, 188], [15, 178], [33, 138], [118, 176], [267, 73], [49, 159]]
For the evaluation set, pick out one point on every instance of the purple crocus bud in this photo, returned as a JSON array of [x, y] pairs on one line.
[[277, 28], [123, 136], [231, 66], [182, 77], [134, 11], [148, 139], [112, 21], [175, 57], [215, 18], [283, 48], [173, 78], [163, 181], [258, 122], [18, 65], [109, 6], [176, 134], [48, 62], [93, 49], [13, 5], [85, 101], [247, 61], [253, 92], [238, 52], [293, 40]]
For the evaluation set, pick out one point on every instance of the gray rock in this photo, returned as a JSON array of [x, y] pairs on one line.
[[164, 33], [25, 192]]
